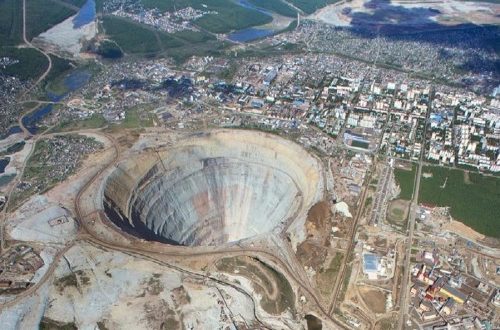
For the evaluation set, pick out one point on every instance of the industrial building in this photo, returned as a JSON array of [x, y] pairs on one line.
[[371, 264]]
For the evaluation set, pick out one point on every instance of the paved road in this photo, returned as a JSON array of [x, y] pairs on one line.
[[144, 251], [352, 243], [27, 42], [404, 301], [3, 214]]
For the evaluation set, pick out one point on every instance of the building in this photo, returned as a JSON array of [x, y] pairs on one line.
[[257, 103], [496, 299], [349, 136], [270, 76], [453, 293], [371, 264], [430, 315]]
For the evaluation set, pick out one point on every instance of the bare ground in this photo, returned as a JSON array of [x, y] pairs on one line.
[[374, 299]]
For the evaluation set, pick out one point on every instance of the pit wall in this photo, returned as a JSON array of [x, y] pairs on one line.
[[132, 175]]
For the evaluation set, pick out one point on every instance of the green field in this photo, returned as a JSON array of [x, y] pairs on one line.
[[476, 202], [136, 39], [210, 48], [277, 6], [405, 180], [59, 67], [137, 117], [360, 144], [31, 64], [95, 121], [41, 15], [231, 17], [167, 41], [310, 6], [193, 36], [131, 37], [11, 22]]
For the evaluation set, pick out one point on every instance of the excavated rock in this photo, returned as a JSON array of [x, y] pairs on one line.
[[212, 189]]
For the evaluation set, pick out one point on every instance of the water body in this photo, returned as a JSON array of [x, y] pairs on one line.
[[250, 34], [86, 14], [75, 80], [11, 131], [3, 164]]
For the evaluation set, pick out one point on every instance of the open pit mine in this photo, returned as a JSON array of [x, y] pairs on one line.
[[211, 189], [178, 230]]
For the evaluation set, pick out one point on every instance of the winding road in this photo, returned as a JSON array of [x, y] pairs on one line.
[[147, 250], [144, 250], [26, 132], [27, 42]]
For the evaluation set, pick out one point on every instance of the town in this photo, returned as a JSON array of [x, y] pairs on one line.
[[319, 177], [378, 124]]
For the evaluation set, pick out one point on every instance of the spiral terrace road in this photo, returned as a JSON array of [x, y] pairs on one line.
[[87, 235]]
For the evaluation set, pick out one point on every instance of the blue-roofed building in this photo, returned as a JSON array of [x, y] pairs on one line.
[[257, 103], [371, 265]]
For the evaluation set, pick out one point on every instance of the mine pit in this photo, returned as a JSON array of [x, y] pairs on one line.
[[211, 189]]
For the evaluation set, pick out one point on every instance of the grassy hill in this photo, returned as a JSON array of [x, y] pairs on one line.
[[11, 22], [41, 15], [141, 40]]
